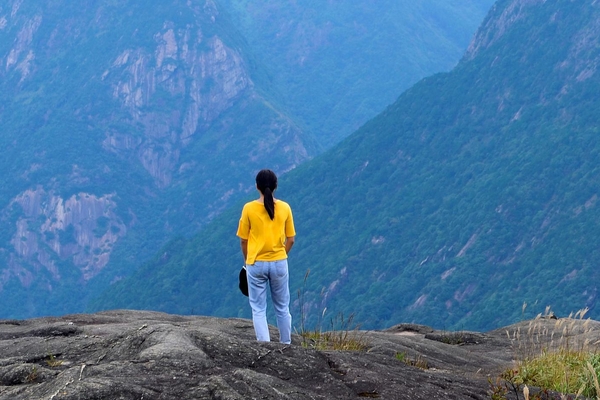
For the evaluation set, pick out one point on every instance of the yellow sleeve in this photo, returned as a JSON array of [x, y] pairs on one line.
[[290, 231], [244, 225]]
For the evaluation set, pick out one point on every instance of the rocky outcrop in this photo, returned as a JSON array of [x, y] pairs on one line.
[[198, 73], [83, 228], [135, 354], [499, 20], [580, 63], [21, 53], [148, 355]]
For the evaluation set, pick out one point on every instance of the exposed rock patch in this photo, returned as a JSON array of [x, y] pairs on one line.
[[83, 227]]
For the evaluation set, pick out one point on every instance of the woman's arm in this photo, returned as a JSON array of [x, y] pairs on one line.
[[244, 246], [289, 243]]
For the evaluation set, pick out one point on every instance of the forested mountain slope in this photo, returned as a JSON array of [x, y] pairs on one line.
[[475, 192], [338, 64], [124, 124]]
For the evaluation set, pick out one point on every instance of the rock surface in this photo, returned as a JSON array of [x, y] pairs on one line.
[[148, 355]]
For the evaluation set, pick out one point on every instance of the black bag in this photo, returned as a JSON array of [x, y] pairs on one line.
[[243, 281]]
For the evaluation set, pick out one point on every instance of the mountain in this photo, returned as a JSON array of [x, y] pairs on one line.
[[338, 64], [470, 202], [122, 124], [127, 124]]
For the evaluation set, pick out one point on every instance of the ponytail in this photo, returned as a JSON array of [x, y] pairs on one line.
[[269, 203], [266, 182]]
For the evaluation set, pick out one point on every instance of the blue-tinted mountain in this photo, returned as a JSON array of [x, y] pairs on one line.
[[123, 125], [338, 64], [474, 194]]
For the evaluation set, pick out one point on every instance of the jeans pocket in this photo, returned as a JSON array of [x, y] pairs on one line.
[[281, 269]]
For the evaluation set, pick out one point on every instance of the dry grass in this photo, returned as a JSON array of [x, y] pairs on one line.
[[556, 355], [419, 361], [343, 335], [53, 362]]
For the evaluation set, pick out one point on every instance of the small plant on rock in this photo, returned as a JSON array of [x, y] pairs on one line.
[[418, 361], [32, 376], [53, 362]]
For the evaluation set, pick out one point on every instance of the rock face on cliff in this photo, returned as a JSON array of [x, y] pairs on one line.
[[147, 355], [51, 228]]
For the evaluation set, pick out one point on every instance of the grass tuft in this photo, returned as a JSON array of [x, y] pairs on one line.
[[418, 361], [343, 333], [554, 355], [53, 362]]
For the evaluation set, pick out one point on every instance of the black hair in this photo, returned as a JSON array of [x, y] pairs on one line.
[[266, 182]]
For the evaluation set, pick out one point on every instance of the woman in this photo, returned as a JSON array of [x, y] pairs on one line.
[[266, 232]]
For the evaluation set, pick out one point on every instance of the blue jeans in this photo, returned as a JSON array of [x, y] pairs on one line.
[[274, 274]]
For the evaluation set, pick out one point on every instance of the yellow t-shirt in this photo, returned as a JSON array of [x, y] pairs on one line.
[[266, 237]]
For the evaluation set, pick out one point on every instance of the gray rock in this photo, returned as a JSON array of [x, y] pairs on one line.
[[150, 355]]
